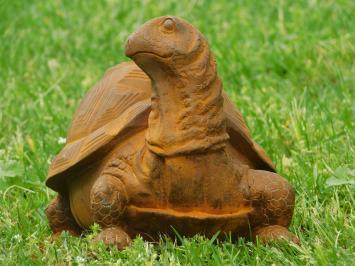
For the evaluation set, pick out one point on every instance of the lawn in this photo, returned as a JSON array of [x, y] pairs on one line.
[[288, 66]]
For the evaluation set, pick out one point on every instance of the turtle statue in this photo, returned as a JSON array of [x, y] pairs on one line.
[[156, 147]]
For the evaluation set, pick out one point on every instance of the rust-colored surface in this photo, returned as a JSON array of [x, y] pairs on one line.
[[157, 146]]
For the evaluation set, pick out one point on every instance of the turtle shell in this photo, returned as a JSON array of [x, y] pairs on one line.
[[118, 105]]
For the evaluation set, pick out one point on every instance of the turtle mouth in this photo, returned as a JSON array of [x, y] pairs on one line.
[[140, 53]]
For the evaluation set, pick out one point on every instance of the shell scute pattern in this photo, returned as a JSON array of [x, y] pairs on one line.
[[71, 152]]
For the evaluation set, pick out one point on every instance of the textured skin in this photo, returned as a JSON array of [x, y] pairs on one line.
[[60, 218], [108, 201], [271, 196], [145, 155]]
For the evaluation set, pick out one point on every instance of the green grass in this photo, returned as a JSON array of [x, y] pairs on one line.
[[288, 65]]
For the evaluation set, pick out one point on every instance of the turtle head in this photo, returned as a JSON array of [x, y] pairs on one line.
[[165, 45]]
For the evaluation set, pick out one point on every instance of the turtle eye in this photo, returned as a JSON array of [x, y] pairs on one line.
[[168, 24]]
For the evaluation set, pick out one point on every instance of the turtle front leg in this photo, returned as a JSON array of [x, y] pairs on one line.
[[60, 217], [108, 199], [273, 199]]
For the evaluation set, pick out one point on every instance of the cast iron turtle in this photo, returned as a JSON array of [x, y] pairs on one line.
[[157, 146]]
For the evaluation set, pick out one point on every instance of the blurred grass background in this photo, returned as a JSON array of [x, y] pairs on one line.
[[288, 66]]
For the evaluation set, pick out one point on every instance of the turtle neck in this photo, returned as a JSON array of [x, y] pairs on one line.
[[187, 107]]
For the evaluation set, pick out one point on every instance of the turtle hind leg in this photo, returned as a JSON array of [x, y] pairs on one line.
[[60, 217], [273, 199], [108, 199]]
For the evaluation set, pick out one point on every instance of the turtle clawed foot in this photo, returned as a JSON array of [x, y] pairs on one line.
[[114, 236], [275, 233]]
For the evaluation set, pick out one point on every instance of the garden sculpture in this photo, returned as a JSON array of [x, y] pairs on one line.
[[156, 147]]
